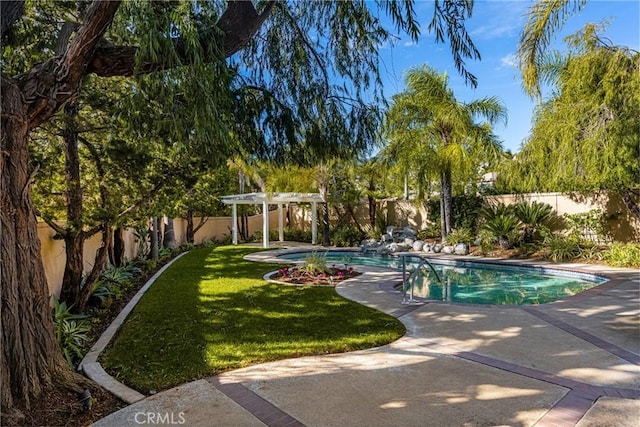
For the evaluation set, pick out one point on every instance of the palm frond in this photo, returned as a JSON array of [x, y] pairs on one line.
[[545, 17]]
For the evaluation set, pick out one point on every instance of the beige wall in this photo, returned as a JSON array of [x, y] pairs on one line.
[[53, 251], [623, 227]]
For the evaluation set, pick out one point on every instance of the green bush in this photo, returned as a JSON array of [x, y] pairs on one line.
[[504, 228], [486, 241], [589, 226], [561, 248], [533, 215], [315, 263], [465, 210], [347, 236], [72, 331], [459, 235], [623, 255]]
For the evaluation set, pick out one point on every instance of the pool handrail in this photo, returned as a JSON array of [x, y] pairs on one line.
[[413, 276]]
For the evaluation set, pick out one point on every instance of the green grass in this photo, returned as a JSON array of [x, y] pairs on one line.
[[211, 312]]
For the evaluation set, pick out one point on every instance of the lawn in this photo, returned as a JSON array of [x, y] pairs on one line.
[[211, 312]]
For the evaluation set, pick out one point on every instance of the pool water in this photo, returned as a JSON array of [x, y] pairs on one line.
[[473, 282]]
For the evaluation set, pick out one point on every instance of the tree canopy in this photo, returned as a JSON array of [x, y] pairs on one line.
[[585, 136]]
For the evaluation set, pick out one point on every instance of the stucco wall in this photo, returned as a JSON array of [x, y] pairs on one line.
[[53, 250], [622, 226]]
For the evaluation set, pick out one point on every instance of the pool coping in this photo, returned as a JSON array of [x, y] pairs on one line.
[[612, 275]]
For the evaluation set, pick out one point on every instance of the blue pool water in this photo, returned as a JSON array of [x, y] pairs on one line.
[[473, 282]]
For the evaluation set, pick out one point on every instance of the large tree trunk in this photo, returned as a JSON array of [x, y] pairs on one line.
[[99, 265], [372, 210], [73, 234], [31, 360], [190, 233], [155, 222]]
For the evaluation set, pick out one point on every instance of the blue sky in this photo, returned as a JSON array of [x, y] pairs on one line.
[[495, 29]]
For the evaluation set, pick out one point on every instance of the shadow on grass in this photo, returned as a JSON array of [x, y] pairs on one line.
[[211, 312]]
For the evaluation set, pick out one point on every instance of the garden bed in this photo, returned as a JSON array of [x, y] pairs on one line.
[[331, 276]]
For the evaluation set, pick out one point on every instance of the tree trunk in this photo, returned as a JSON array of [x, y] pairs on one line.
[[31, 361], [73, 235], [117, 256], [155, 222], [326, 229], [372, 210], [99, 265], [169, 240], [190, 234], [447, 200]]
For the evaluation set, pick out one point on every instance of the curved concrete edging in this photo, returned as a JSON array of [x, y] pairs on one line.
[[90, 365]]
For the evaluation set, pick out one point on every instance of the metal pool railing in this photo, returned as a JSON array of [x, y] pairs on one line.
[[411, 280]]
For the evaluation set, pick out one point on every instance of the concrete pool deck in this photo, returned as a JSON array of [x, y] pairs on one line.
[[570, 363]]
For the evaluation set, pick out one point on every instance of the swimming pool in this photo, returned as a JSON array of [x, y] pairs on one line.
[[473, 282]]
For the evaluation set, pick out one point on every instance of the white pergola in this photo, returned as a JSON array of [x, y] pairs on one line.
[[266, 199]]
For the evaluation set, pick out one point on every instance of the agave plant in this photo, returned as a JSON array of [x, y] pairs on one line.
[[532, 216], [503, 227]]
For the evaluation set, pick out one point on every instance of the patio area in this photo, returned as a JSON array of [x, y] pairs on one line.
[[573, 362]]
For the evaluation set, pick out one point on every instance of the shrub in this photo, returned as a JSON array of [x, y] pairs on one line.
[[465, 210], [102, 292], [623, 255], [504, 228], [315, 263], [561, 248], [430, 231], [71, 331], [589, 226], [486, 241], [532, 215], [459, 235], [346, 236]]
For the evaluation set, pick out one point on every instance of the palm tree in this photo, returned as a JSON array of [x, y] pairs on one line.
[[533, 215], [436, 136], [544, 19]]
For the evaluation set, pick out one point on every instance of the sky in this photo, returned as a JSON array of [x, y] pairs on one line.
[[495, 30]]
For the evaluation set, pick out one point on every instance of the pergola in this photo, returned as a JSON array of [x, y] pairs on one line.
[[266, 199]]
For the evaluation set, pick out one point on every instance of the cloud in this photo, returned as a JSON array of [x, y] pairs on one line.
[[493, 31], [499, 19], [410, 43], [509, 60]]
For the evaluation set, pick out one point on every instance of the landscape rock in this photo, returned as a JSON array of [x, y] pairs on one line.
[[461, 249]]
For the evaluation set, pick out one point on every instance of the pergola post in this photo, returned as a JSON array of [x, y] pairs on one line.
[[234, 224], [280, 223], [314, 223], [265, 224]]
